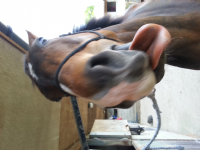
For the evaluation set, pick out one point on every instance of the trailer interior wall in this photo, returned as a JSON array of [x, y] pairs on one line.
[[28, 121], [178, 96]]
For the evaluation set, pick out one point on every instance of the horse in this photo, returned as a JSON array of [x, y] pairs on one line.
[[117, 71]]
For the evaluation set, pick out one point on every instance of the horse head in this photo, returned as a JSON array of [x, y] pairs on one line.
[[109, 73]]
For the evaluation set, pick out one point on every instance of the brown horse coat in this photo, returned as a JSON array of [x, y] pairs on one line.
[[116, 74]]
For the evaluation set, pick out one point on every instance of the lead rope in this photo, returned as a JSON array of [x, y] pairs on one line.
[[79, 124], [155, 106]]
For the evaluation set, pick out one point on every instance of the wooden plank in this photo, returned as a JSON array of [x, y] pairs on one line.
[[110, 128], [68, 130], [94, 113], [76, 146], [13, 43]]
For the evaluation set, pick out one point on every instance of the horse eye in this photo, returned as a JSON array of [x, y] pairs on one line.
[[40, 38], [44, 41]]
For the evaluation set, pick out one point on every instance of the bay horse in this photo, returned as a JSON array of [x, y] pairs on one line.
[[118, 72]]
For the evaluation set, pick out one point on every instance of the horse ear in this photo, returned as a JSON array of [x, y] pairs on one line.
[[152, 39], [31, 37]]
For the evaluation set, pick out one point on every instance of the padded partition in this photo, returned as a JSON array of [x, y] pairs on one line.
[[28, 121]]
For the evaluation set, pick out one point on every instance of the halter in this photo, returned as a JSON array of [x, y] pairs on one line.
[[78, 50], [77, 115]]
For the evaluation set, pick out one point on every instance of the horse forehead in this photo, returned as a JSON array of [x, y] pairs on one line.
[[81, 37], [68, 43], [99, 46], [57, 49]]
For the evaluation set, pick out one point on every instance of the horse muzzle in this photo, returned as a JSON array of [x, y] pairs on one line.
[[115, 66]]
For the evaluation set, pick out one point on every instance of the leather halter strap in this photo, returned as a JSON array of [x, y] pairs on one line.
[[77, 50]]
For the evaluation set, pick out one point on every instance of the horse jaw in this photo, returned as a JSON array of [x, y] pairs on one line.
[[31, 37]]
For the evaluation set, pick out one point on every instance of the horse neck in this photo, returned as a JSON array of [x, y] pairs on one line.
[[154, 12], [125, 31]]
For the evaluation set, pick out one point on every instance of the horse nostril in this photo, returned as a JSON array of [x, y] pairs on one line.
[[111, 65], [99, 62], [107, 60]]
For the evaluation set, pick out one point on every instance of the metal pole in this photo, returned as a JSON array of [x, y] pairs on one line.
[[79, 124]]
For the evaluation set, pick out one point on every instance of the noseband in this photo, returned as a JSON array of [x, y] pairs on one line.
[[78, 50]]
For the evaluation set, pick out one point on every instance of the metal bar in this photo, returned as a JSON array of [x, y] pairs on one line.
[[7, 31], [79, 124]]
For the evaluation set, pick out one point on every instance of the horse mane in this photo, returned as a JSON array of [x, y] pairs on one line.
[[103, 22]]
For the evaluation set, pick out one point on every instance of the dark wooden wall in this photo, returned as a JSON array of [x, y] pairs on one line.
[[68, 131]]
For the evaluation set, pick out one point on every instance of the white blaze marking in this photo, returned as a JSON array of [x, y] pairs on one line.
[[128, 91], [32, 73], [66, 89]]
